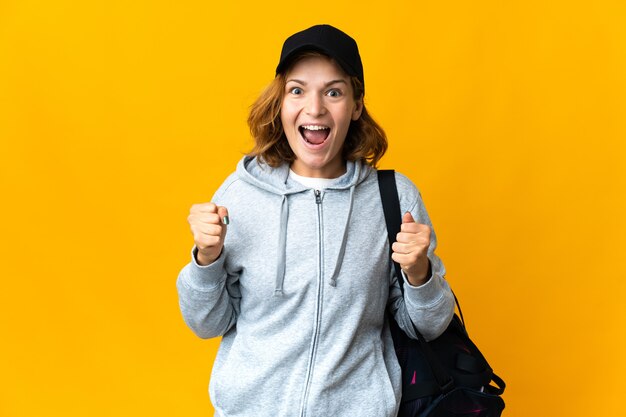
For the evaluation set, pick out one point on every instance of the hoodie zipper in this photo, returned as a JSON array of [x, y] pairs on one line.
[[318, 312]]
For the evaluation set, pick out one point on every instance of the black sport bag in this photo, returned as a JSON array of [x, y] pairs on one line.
[[448, 376]]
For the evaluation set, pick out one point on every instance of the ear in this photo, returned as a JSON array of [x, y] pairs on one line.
[[358, 109]]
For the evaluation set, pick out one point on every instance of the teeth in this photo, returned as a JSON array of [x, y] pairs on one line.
[[314, 127]]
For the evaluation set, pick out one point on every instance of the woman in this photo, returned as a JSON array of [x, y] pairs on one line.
[[291, 259]]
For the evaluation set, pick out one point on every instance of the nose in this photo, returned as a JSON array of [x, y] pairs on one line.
[[315, 105]]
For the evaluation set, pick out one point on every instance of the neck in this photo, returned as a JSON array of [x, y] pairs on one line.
[[324, 172]]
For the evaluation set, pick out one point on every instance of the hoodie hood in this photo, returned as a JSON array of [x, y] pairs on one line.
[[277, 181]]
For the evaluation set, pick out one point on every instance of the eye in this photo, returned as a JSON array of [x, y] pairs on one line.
[[333, 93], [296, 91]]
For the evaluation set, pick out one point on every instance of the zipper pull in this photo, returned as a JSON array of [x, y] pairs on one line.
[[318, 196]]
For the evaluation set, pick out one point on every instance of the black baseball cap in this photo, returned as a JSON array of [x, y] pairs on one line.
[[327, 40]]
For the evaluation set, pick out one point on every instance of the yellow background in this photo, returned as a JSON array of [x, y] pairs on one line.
[[116, 116]]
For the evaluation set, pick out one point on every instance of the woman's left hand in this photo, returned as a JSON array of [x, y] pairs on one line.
[[411, 248]]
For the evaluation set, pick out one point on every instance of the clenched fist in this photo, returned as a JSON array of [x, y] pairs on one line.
[[411, 249], [208, 225]]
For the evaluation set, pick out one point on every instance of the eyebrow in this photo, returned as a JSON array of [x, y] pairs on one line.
[[326, 85]]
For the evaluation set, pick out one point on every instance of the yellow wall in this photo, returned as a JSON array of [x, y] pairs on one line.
[[116, 116]]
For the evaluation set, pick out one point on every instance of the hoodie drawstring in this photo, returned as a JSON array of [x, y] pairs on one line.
[[282, 247], [342, 248]]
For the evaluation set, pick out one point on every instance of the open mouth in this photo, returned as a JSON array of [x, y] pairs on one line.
[[314, 134]]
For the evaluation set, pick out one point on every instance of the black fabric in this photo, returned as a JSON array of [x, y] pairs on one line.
[[447, 376], [328, 40], [461, 402]]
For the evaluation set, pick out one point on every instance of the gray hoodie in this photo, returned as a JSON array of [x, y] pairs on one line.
[[299, 295]]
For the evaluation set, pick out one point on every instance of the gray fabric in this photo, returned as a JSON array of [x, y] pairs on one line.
[[299, 295]]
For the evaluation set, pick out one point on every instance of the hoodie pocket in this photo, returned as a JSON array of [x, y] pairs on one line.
[[234, 388], [382, 379]]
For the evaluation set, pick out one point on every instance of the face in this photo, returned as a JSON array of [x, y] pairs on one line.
[[316, 112]]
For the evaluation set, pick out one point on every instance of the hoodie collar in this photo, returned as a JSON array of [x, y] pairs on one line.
[[277, 181]]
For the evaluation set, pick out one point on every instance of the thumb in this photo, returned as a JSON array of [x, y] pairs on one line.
[[408, 218], [223, 213]]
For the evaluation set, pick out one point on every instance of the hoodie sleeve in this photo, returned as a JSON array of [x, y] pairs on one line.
[[430, 306], [208, 297]]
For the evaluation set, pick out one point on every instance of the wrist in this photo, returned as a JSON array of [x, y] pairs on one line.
[[417, 280], [203, 259]]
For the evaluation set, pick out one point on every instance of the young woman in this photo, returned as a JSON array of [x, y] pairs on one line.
[[291, 258]]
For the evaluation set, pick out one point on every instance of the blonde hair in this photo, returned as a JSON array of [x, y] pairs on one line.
[[365, 139]]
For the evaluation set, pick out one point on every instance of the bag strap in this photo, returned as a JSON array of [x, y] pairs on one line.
[[391, 209], [393, 219]]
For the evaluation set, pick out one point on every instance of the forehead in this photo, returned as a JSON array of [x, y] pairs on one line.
[[316, 66]]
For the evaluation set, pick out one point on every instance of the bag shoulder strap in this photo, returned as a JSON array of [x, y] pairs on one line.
[[393, 219], [391, 209]]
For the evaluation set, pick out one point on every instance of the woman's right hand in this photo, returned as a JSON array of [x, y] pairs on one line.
[[208, 226]]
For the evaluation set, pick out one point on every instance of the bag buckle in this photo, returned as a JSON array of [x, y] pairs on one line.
[[445, 388]]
